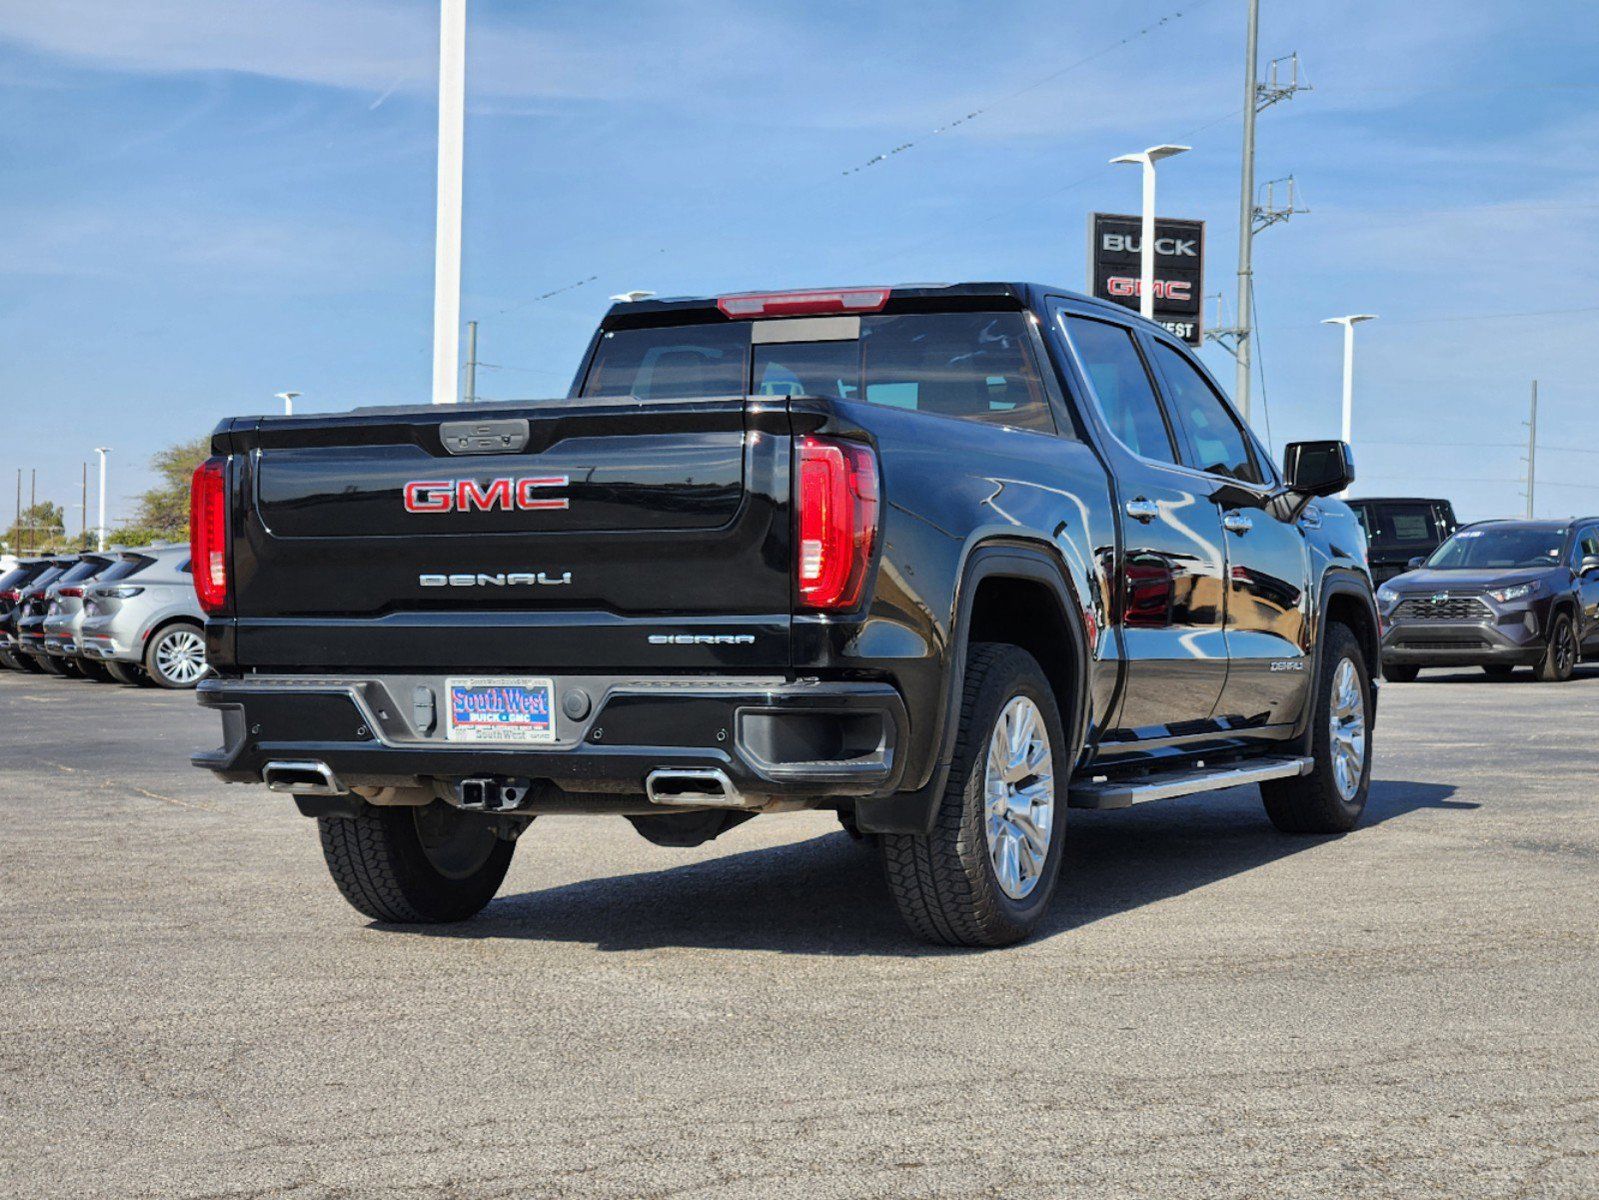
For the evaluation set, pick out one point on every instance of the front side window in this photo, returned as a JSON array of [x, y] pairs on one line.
[[1498, 547], [1587, 546], [1121, 385], [1216, 441]]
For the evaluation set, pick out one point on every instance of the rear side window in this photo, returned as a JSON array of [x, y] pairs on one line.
[[1587, 547], [1121, 385], [1216, 441], [677, 362]]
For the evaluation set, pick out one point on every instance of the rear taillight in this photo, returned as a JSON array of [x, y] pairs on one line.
[[797, 304], [836, 495], [71, 592], [208, 534], [11, 594]]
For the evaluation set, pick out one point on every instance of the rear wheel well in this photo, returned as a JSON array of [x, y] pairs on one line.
[[1027, 613], [1345, 609], [168, 623]]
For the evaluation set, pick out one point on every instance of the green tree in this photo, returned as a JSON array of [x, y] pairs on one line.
[[162, 514], [39, 527]]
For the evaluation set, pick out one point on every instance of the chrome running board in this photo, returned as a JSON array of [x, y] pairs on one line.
[[1124, 793]]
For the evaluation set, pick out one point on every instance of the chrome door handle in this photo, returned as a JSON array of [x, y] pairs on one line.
[[1237, 522], [1140, 509]]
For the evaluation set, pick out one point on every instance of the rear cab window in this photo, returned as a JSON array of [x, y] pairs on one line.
[[1395, 525], [975, 366]]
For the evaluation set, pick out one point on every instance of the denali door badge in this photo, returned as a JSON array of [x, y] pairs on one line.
[[463, 495]]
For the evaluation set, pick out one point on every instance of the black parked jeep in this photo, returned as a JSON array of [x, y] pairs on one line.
[[1498, 594]]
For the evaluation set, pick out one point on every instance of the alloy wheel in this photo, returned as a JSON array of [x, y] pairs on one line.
[[1019, 797], [1347, 726], [180, 656]]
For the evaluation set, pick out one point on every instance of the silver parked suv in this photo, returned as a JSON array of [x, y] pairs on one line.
[[143, 621]]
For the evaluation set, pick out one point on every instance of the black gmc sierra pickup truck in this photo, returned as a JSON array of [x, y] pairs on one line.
[[948, 560]]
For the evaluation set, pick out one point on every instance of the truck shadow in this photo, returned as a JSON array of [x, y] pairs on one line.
[[826, 895]]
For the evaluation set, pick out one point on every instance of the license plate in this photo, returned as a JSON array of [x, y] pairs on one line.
[[500, 710]]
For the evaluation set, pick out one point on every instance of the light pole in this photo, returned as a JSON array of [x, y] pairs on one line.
[[1146, 242], [1349, 324], [103, 452], [447, 231], [288, 401]]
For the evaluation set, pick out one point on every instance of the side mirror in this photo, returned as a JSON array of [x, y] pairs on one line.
[[1591, 563], [1318, 468], [1417, 561]]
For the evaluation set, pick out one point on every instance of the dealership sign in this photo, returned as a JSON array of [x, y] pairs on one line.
[[1115, 244]]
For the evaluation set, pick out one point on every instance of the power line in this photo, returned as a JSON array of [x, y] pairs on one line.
[[1022, 91]]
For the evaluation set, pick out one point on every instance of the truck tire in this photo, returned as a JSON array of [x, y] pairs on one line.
[[1331, 798], [175, 657], [124, 672], [1559, 661], [981, 877], [415, 866], [1400, 672]]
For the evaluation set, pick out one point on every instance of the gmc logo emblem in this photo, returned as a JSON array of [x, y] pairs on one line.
[[465, 495], [1165, 289]]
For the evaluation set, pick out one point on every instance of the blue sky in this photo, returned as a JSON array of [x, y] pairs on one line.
[[202, 204]]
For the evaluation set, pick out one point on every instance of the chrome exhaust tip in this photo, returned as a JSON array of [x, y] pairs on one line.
[[693, 787], [305, 778]]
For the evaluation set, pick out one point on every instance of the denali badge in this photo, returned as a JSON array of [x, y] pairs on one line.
[[463, 495], [702, 639], [496, 579], [1288, 664]]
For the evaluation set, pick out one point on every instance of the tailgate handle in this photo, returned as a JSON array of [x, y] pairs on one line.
[[485, 437]]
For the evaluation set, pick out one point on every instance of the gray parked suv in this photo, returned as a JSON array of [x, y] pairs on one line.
[[143, 621]]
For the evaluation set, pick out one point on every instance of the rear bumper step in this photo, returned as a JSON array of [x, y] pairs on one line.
[[669, 742], [1124, 793]]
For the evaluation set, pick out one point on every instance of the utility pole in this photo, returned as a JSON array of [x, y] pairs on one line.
[[33, 502], [1532, 447], [103, 452], [447, 231], [83, 511], [18, 528], [471, 362], [1259, 95]]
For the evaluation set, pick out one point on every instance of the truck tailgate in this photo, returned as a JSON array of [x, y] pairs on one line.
[[552, 535]]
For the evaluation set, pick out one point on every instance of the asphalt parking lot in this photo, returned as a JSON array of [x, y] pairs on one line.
[[1214, 1009]]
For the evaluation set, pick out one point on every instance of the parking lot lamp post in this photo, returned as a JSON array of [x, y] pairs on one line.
[[1349, 324], [1146, 242], [288, 401], [103, 452]]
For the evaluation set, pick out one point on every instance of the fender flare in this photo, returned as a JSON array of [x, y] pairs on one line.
[[1342, 581], [1005, 558]]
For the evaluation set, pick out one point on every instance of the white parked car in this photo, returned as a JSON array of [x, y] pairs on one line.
[[142, 619]]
